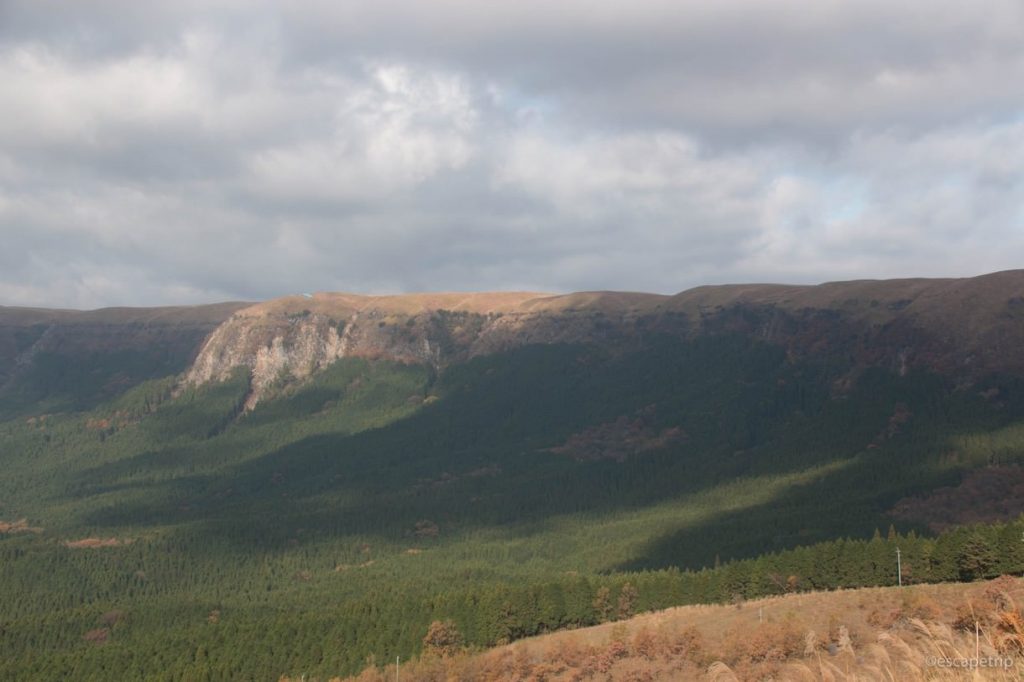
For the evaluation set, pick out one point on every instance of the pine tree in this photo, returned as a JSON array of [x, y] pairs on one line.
[[976, 557]]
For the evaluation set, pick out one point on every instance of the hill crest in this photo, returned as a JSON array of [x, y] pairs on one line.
[[964, 327]]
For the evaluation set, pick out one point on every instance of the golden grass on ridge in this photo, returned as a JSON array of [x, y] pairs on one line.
[[921, 632]]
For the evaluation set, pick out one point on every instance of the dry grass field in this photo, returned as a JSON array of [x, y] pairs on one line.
[[923, 632]]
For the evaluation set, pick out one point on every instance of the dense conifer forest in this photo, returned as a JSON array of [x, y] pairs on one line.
[[168, 534]]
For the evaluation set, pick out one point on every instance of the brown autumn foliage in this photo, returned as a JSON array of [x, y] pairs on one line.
[[987, 495], [94, 543], [646, 645], [619, 439], [628, 597], [602, 604], [19, 526], [426, 529], [769, 642], [686, 643], [442, 639], [98, 636], [112, 617]]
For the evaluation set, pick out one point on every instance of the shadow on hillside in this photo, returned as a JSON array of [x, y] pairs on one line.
[[477, 459], [324, 486], [846, 503]]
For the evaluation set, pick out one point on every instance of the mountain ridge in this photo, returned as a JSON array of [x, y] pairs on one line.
[[966, 327], [69, 360], [620, 437]]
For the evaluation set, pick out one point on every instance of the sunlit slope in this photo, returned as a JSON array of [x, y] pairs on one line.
[[501, 485], [915, 633]]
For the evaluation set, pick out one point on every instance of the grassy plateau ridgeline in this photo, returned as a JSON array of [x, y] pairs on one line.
[[168, 532]]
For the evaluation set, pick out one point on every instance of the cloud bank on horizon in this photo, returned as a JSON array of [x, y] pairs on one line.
[[200, 151]]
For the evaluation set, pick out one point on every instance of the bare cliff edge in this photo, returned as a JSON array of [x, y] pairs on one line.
[[962, 327], [66, 360]]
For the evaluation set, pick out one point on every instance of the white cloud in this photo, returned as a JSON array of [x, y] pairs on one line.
[[50, 101], [395, 129], [202, 151]]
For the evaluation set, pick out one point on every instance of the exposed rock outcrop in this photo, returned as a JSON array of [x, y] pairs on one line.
[[962, 327], [288, 340]]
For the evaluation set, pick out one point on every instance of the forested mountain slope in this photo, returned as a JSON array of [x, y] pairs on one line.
[[67, 360], [318, 479]]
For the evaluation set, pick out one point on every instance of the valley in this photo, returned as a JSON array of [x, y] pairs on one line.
[[302, 485]]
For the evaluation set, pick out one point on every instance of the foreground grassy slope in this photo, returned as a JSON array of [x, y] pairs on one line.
[[338, 520], [924, 632]]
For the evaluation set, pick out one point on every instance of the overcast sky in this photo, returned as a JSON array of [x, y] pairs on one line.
[[232, 149]]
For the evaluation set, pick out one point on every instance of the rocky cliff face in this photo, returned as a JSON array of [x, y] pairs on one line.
[[288, 340], [273, 349], [964, 327], [960, 327]]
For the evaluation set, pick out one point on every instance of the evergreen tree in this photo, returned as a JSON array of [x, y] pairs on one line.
[[976, 557]]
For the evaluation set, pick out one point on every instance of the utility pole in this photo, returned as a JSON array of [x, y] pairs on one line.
[[397, 658], [899, 568]]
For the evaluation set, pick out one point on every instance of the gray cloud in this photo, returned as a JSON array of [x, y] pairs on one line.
[[191, 151]]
